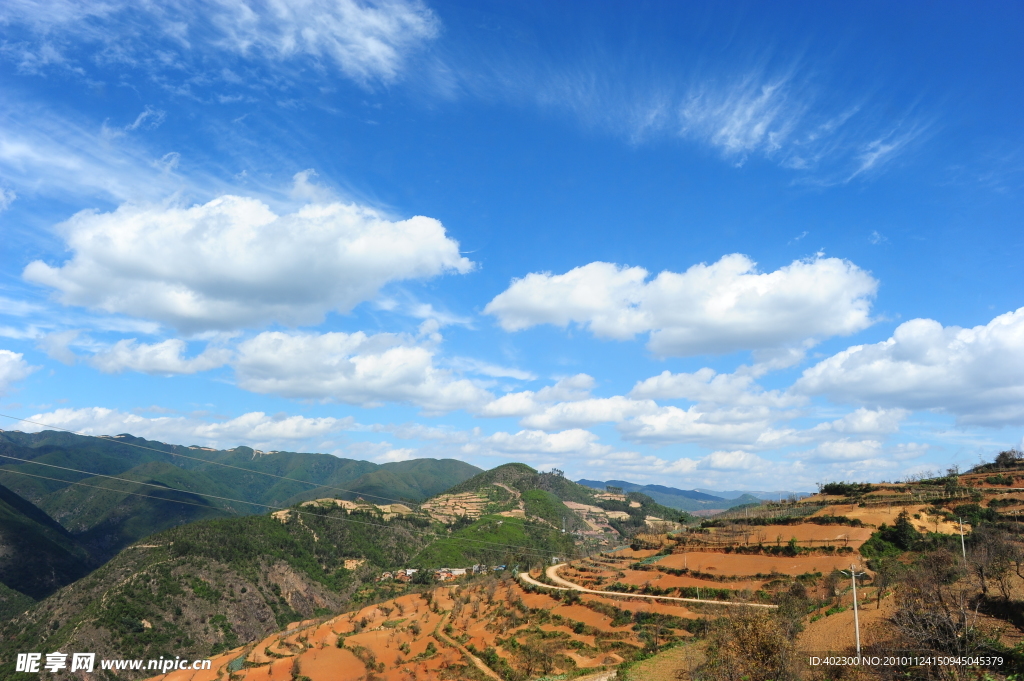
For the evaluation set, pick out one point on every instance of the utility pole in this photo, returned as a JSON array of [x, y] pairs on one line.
[[856, 616], [963, 547]]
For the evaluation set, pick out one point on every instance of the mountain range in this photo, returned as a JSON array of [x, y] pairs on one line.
[[70, 478], [219, 575], [684, 500]]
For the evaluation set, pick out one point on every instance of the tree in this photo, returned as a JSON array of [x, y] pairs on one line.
[[1009, 458], [991, 557], [904, 534], [887, 574], [936, 609], [750, 646]]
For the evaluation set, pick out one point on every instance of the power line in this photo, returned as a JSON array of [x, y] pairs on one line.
[[108, 438], [239, 501]]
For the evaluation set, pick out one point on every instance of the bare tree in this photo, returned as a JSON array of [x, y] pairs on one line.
[[750, 646], [937, 609]]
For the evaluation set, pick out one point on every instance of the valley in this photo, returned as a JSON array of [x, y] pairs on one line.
[[514, 574]]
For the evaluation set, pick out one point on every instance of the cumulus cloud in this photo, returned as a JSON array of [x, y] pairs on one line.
[[254, 428], [527, 402], [710, 427], [233, 262], [157, 358], [573, 442], [976, 374], [866, 422], [732, 461], [718, 308], [13, 368], [708, 386], [353, 368], [393, 455], [589, 412]]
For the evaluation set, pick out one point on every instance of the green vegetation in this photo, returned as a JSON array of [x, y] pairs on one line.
[[491, 539], [892, 541], [107, 515], [201, 588], [12, 602], [846, 489], [37, 556], [787, 520]]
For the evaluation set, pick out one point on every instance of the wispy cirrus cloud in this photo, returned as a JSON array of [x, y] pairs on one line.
[[186, 40]]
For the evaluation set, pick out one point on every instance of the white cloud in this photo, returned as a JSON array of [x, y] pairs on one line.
[[233, 262], [254, 428], [366, 41], [976, 374], [723, 427], [13, 368], [589, 412], [717, 308], [733, 461], [844, 449], [573, 442], [753, 115], [708, 386], [157, 358], [393, 455], [527, 402], [17, 308], [45, 154], [877, 152], [866, 422], [493, 370], [353, 368]]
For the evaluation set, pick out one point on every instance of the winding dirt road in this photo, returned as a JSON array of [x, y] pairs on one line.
[[552, 574]]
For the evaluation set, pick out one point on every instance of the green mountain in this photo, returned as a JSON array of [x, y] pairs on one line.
[[521, 507], [199, 588], [173, 485], [683, 500], [13, 602], [202, 588], [37, 555]]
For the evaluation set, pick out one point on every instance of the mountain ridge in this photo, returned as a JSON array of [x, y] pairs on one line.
[[162, 485]]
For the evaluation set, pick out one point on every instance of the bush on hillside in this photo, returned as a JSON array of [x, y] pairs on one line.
[[845, 489], [892, 540]]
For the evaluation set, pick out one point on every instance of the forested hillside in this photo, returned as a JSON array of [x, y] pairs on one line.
[[162, 485], [37, 555], [204, 587]]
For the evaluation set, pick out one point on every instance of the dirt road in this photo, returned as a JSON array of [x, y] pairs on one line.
[[552, 574]]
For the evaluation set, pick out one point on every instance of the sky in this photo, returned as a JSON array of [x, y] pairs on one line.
[[705, 245]]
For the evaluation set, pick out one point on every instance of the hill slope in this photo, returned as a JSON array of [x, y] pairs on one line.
[[553, 516], [111, 514], [683, 500], [205, 587], [37, 555]]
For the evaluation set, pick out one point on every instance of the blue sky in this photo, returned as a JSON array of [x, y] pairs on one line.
[[734, 246]]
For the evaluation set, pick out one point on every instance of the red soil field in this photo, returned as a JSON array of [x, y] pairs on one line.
[[733, 564]]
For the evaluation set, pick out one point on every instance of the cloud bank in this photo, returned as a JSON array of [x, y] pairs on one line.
[[718, 308], [234, 263], [976, 374]]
